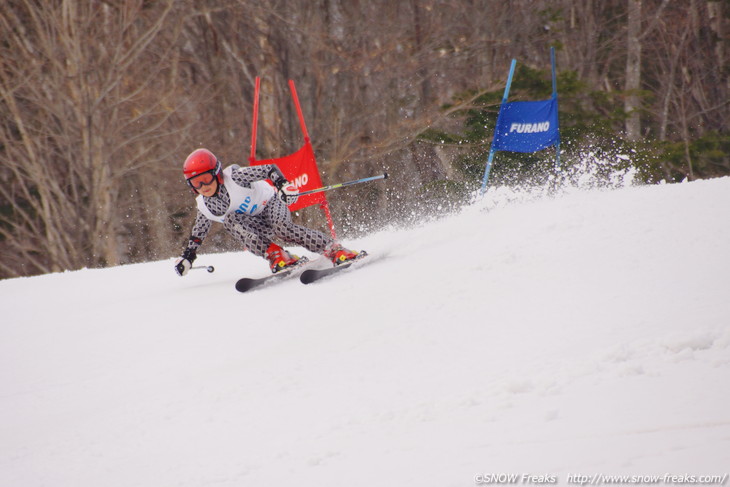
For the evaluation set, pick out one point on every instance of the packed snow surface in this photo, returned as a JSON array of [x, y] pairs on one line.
[[583, 334]]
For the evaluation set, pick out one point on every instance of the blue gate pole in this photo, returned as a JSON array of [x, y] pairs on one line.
[[555, 97], [491, 148], [487, 170]]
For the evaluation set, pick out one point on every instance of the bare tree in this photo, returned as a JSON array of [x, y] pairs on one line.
[[632, 103], [81, 84]]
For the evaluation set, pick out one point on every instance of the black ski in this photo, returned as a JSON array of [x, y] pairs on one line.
[[311, 275], [248, 283]]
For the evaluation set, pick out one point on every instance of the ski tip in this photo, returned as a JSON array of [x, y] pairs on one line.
[[308, 277], [385, 175], [243, 285]]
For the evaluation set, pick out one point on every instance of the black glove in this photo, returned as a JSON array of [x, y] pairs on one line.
[[276, 177], [184, 263]]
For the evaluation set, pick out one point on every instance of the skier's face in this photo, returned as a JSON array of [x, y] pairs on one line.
[[209, 190]]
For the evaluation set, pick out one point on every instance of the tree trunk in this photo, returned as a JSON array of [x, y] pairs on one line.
[[632, 103]]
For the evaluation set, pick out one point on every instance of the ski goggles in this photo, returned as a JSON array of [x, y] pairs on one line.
[[203, 179]]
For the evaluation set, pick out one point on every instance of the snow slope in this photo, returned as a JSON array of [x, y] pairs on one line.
[[585, 334]]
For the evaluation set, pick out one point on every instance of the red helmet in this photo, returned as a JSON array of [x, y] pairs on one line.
[[201, 161]]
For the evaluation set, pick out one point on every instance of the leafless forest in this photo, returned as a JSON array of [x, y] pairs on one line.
[[101, 100]]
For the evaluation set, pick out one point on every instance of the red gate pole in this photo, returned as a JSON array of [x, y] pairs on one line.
[[299, 110], [326, 204], [326, 208]]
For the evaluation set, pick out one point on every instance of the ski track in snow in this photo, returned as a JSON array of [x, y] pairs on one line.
[[587, 333]]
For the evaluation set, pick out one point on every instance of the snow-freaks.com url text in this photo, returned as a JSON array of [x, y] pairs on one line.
[[599, 479]]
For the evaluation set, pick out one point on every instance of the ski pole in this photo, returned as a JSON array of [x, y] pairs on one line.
[[208, 268], [348, 183]]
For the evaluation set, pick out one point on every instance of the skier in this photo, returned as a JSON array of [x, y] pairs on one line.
[[251, 210]]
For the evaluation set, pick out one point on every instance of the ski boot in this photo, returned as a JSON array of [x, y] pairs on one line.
[[279, 259], [339, 254]]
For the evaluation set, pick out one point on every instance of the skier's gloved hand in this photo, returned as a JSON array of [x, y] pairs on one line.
[[184, 263], [289, 194], [277, 177], [182, 266]]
